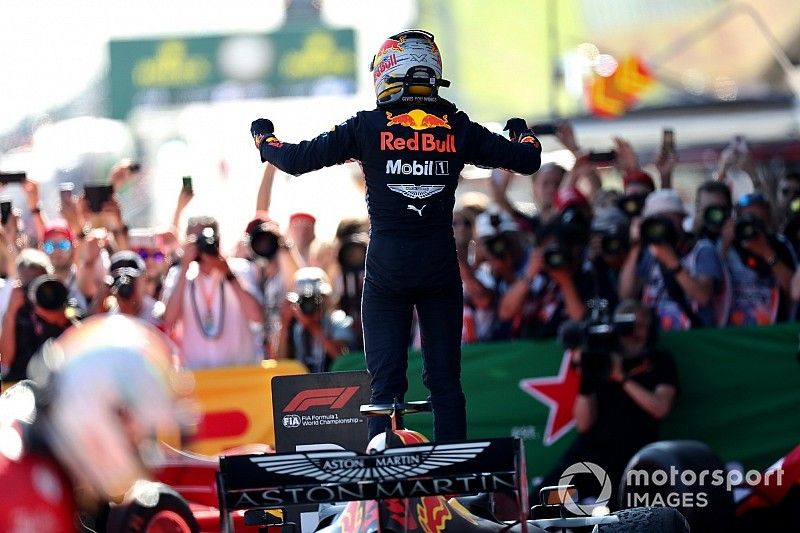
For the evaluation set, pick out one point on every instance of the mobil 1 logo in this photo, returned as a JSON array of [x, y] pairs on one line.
[[417, 168]]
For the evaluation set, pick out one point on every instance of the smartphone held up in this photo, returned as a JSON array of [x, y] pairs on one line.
[[12, 177], [668, 141], [97, 195]]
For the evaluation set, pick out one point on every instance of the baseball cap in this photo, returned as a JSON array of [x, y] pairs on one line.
[[570, 197], [753, 198], [491, 223], [126, 259], [608, 218], [638, 177], [260, 218], [300, 216], [58, 227], [663, 202], [313, 277]]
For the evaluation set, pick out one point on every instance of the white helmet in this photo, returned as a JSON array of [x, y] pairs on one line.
[[109, 385], [407, 65], [397, 437]]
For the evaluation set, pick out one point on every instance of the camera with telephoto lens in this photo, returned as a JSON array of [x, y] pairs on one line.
[[574, 226], [48, 292], [556, 257], [498, 246], [208, 241], [123, 282], [596, 336], [264, 240], [309, 304], [747, 227], [614, 241], [714, 218], [631, 204], [791, 230], [658, 230], [352, 254], [308, 298]]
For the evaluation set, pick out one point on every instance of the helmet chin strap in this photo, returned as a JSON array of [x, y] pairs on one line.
[[420, 75]]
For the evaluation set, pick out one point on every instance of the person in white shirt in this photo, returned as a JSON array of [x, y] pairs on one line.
[[213, 304]]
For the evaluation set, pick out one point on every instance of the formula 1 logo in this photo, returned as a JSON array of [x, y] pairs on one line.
[[417, 119], [335, 398]]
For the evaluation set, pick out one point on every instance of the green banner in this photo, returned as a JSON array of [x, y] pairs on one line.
[[739, 393], [300, 61]]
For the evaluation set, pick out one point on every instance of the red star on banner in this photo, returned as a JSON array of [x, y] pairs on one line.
[[558, 393]]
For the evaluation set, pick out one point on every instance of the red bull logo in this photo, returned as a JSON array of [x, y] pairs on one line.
[[531, 139], [385, 64], [417, 119], [433, 514], [419, 142], [391, 45]]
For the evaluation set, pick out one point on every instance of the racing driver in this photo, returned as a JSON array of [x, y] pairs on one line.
[[79, 432], [412, 148]]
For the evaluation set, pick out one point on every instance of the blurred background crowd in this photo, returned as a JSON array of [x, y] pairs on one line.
[[575, 246], [129, 185], [668, 198]]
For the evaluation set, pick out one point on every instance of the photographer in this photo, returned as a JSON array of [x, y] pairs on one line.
[[545, 292], [37, 311], [301, 231], [761, 264], [545, 184], [498, 241], [352, 238], [276, 261], [60, 245], [627, 386], [609, 244], [212, 301], [683, 280], [312, 332], [787, 194], [126, 284]]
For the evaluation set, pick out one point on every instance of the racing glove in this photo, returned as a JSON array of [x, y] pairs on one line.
[[261, 129], [518, 131]]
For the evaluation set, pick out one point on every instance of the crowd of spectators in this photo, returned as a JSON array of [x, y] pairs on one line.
[[723, 261]]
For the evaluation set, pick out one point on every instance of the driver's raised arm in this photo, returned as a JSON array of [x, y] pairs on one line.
[[330, 148], [488, 149]]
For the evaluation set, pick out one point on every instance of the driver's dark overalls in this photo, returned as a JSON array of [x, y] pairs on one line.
[[412, 157]]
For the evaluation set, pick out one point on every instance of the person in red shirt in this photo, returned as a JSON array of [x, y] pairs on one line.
[[76, 435]]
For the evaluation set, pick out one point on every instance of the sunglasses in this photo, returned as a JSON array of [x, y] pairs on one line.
[[156, 256], [50, 247], [755, 198]]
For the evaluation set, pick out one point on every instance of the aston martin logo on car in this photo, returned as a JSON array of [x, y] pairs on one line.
[[392, 464], [409, 190]]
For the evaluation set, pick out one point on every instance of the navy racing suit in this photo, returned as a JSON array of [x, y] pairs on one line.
[[412, 156]]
